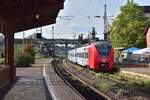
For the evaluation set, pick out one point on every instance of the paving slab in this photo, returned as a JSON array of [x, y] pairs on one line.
[[138, 71], [30, 85], [61, 89]]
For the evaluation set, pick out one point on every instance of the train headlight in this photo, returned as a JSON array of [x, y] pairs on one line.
[[103, 60]]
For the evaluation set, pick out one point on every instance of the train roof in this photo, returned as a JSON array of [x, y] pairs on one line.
[[95, 43], [101, 43]]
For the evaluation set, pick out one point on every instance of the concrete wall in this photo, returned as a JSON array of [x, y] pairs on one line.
[[147, 15], [4, 76], [148, 38]]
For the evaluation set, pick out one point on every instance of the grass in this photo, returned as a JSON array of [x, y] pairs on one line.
[[131, 87], [120, 92], [99, 75], [146, 84], [39, 56], [143, 82], [71, 77], [78, 68], [117, 76], [131, 82], [65, 64], [103, 86]]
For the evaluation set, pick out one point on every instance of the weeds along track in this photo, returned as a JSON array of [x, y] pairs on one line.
[[85, 90], [114, 85]]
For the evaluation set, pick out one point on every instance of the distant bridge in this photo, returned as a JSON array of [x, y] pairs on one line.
[[47, 41]]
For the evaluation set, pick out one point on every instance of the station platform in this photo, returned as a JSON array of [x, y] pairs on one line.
[[30, 85]]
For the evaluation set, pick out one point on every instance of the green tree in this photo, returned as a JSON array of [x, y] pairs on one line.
[[128, 27]]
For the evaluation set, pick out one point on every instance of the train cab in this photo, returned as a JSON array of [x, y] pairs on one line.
[[101, 56]]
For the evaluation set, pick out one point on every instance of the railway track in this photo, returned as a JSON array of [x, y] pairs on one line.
[[61, 75], [83, 89], [121, 85]]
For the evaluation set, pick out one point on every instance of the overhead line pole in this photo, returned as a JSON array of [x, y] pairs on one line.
[[105, 23]]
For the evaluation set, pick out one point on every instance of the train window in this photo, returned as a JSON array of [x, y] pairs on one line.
[[71, 55], [80, 55], [77, 55], [86, 55], [103, 50]]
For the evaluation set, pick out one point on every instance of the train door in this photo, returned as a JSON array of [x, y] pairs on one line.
[[75, 58], [89, 56], [85, 57], [82, 61]]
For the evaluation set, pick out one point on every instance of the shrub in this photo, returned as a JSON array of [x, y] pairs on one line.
[[24, 56], [38, 56], [29, 50], [23, 60]]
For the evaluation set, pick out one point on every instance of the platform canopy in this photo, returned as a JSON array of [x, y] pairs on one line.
[[20, 15]]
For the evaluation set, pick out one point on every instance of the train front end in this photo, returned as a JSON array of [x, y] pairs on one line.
[[101, 56], [105, 56]]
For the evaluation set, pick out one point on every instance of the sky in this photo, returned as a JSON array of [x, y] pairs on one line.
[[81, 18]]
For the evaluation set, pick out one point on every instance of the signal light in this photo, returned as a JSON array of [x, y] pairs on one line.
[[38, 35]]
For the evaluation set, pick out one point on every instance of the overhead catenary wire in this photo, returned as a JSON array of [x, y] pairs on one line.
[[85, 6], [82, 8], [69, 17], [88, 17]]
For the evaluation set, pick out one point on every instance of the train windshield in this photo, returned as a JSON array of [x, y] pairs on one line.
[[103, 50]]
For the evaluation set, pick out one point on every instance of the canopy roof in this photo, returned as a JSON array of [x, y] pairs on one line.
[[142, 51], [131, 49]]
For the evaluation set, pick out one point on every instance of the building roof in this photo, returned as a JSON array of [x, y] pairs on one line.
[[142, 51], [131, 49]]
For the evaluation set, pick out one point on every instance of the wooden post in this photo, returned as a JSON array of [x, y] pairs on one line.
[[9, 54]]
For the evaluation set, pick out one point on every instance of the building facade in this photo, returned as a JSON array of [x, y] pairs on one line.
[[147, 32], [148, 36]]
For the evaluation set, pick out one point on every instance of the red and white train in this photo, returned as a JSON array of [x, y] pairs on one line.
[[98, 56]]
